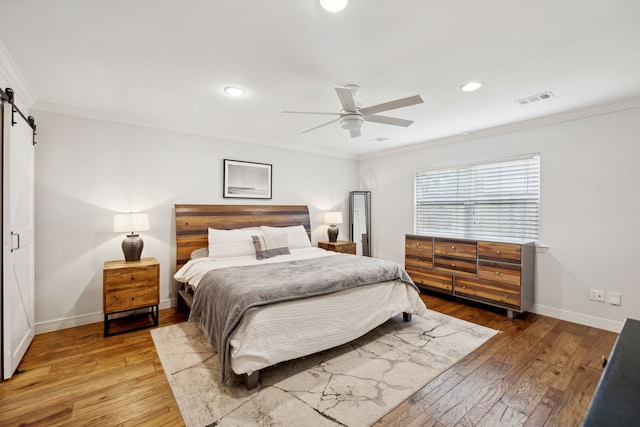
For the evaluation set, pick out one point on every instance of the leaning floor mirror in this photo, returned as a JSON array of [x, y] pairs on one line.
[[360, 221]]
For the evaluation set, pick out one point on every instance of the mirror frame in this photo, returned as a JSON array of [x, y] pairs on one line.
[[366, 249]]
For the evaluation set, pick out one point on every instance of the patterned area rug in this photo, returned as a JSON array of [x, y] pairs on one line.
[[352, 385]]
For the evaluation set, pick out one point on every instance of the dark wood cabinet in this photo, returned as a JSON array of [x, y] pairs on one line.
[[496, 273]]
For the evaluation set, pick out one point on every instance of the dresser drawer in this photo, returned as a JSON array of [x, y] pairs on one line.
[[430, 278], [128, 278], [502, 294], [130, 299], [499, 272], [416, 244], [503, 252], [456, 248], [418, 260], [453, 265]]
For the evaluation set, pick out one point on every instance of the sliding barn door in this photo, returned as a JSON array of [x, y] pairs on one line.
[[18, 284]]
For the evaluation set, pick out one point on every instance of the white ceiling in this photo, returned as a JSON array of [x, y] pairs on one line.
[[164, 63]]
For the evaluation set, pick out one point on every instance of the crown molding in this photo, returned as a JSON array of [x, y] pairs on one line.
[[11, 76], [565, 116]]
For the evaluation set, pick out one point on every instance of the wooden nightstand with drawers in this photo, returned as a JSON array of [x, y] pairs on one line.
[[130, 285], [341, 246]]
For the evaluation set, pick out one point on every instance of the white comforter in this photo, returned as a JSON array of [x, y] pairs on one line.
[[293, 329]]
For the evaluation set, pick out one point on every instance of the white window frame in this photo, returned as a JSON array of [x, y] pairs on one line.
[[493, 200]]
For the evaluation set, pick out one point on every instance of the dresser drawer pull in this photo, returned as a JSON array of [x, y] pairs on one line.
[[453, 247], [497, 273], [132, 298], [497, 252], [464, 287], [506, 296], [133, 278], [453, 265], [418, 244]]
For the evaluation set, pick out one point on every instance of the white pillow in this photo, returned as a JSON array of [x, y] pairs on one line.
[[275, 239], [296, 235], [230, 243]]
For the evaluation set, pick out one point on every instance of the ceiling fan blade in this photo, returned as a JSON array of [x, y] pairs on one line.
[[310, 112], [346, 99], [392, 105], [319, 126], [385, 120], [355, 133]]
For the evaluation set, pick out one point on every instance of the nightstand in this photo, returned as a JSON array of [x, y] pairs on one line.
[[341, 246], [130, 285]]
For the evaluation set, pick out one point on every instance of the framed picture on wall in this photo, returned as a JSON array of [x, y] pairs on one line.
[[246, 180]]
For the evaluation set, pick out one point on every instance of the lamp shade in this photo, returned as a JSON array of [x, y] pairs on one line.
[[130, 222], [333, 217]]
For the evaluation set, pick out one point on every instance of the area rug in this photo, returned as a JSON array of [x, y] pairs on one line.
[[352, 385]]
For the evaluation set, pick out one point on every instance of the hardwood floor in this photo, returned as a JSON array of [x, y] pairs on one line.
[[538, 372]]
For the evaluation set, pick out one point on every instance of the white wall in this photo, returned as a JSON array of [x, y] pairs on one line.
[[87, 170], [590, 205]]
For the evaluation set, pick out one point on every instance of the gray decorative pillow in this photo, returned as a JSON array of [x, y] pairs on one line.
[[263, 251], [200, 253]]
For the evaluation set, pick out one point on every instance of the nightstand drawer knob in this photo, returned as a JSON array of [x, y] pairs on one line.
[[132, 298], [133, 278]]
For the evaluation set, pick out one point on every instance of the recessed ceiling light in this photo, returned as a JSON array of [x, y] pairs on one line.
[[333, 5], [471, 86], [234, 91]]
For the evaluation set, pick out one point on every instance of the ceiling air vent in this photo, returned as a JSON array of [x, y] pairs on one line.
[[534, 98]]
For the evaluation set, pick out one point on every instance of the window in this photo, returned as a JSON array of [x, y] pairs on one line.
[[494, 201]]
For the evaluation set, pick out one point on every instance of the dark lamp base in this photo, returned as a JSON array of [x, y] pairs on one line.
[[132, 247], [332, 232]]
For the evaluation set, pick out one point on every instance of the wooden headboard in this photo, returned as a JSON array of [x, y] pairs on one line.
[[193, 222]]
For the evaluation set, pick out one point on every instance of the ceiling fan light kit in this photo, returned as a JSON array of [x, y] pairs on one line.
[[351, 117], [351, 121]]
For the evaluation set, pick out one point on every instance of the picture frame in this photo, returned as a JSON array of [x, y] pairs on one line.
[[246, 180]]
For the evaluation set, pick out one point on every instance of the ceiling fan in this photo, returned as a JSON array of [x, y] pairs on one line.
[[351, 116]]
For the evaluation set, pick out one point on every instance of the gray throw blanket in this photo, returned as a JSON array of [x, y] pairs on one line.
[[223, 296]]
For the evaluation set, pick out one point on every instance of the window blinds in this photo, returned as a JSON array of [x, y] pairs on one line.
[[498, 201]]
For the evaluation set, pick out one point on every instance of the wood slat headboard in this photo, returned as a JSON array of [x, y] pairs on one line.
[[194, 221]]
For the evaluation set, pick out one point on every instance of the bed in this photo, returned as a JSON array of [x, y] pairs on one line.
[[294, 301]]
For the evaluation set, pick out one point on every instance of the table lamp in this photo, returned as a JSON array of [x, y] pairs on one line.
[[333, 218], [131, 223]]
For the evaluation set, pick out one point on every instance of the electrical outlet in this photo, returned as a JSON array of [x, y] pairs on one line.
[[596, 295], [614, 298]]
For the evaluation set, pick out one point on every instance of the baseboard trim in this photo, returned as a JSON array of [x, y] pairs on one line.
[[581, 319], [85, 319]]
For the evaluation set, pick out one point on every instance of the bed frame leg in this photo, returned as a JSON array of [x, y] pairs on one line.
[[406, 317], [251, 381]]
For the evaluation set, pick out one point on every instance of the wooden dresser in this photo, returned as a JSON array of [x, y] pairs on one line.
[[495, 273], [128, 286]]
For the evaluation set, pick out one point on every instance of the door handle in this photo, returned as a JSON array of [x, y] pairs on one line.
[[17, 247]]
